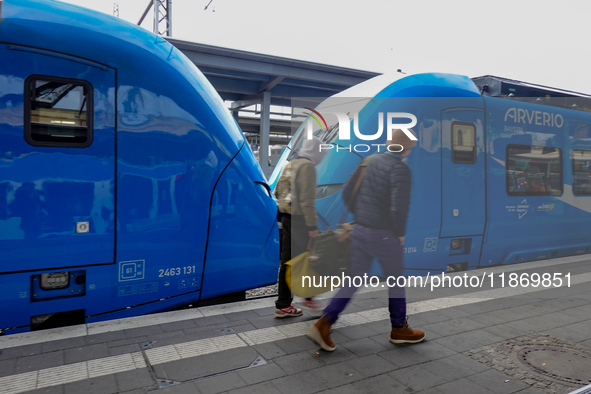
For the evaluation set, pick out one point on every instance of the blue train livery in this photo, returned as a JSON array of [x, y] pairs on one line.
[[501, 172], [125, 185]]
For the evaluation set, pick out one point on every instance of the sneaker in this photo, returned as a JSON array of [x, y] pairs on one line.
[[405, 334], [312, 306], [289, 311]]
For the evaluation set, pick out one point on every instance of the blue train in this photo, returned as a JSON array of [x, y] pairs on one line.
[[125, 185], [501, 172]]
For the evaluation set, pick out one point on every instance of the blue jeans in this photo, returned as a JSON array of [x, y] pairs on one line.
[[367, 244]]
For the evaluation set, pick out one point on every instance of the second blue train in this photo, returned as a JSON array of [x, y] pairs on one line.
[[501, 172]]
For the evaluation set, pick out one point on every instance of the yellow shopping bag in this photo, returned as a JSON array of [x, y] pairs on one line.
[[297, 269]]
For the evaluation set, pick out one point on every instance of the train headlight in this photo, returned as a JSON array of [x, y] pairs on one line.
[[55, 280], [456, 244]]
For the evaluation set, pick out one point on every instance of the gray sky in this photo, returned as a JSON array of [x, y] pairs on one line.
[[543, 42]]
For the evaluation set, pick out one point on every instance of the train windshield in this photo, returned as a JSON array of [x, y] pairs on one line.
[[322, 120], [58, 112]]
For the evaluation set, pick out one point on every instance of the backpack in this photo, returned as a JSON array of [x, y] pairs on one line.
[[329, 253], [283, 190], [356, 177]]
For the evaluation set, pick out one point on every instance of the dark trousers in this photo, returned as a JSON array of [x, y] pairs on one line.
[[366, 244], [293, 243]]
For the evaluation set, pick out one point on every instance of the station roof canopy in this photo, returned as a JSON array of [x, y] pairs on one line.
[[243, 77]]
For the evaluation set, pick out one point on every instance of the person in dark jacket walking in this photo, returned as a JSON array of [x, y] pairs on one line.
[[380, 207]]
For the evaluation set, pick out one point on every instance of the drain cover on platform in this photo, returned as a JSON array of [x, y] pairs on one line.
[[558, 363], [544, 362]]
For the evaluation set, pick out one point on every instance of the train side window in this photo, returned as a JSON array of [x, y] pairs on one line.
[[58, 112], [463, 138], [581, 172], [533, 170]]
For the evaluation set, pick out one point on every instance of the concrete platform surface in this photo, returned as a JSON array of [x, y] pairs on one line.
[[483, 337]]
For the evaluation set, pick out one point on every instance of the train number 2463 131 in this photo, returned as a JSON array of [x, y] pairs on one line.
[[190, 269]]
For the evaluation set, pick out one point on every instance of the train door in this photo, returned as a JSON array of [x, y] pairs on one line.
[[57, 143], [462, 173]]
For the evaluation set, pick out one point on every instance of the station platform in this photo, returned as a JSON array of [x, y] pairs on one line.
[[483, 339]]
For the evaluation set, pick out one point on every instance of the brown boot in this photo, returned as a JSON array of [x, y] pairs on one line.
[[405, 334], [320, 333]]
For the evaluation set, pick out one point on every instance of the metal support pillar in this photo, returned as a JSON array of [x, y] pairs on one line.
[[264, 133], [162, 16]]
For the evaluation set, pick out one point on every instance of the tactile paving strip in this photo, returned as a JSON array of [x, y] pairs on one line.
[[71, 373], [19, 383], [108, 365]]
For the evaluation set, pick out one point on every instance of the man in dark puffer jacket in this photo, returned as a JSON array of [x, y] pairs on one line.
[[380, 208]]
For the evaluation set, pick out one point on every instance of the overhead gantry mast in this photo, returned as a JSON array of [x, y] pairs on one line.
[[162, 17]]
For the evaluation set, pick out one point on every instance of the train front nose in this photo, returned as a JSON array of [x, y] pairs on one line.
[[243, 214]]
